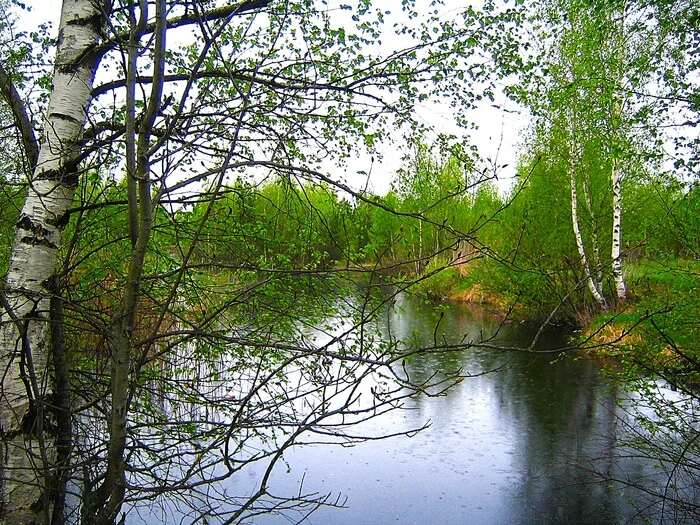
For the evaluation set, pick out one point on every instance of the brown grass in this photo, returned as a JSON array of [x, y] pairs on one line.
[[617, 339], [617, 335], [477, 294]]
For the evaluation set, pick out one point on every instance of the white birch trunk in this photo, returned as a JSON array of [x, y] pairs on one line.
[[593, 284], [615, 174], [620, 287], [25, 348]]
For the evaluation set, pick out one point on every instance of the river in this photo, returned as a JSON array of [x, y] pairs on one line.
[[524, 443]]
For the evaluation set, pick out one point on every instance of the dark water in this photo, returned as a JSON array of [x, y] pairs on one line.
[[517, 445], [523, 441]]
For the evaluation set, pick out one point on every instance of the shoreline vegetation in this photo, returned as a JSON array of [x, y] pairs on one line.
[[654, 330]]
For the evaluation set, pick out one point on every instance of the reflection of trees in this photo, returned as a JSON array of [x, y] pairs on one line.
[[231, 403], [563, 412], [455, 329], [561, 423], [658, 438]]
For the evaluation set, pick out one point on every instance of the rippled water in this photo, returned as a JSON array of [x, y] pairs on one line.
[[513, 446], [517, 445]]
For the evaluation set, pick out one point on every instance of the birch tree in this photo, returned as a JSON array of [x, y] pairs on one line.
[[598, 63], [117, 347], [568, 123], [29, 451]]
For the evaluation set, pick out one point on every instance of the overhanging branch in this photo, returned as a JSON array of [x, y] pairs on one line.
[[196, 17], [19, 112]]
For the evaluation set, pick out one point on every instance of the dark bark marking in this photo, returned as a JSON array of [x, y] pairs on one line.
[[66, 174], [26, 223], [38, 235], [63, 116], [94, 21], [29, 420], [38, 241], [61, 221]]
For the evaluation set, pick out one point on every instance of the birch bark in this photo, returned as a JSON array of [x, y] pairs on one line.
[[616, 174], [572, 115], [593, 284], [28, 451], [620, 287]]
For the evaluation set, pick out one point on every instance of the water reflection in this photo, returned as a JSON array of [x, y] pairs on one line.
[[516, 445]]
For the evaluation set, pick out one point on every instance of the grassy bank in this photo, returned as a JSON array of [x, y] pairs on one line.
[[656, 330]]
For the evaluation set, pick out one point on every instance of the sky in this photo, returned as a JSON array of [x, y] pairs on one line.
[[497, 136]]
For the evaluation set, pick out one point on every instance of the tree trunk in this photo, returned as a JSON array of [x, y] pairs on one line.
[[595, 244], [593, 284], [615, 174], [620, 287], [419, 262], [29, 452], [110, 495]]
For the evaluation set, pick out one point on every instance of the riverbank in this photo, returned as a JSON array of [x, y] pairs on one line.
[[656, 330]]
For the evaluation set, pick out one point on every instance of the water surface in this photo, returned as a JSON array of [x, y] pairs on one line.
[[516, 445], [523, 440]]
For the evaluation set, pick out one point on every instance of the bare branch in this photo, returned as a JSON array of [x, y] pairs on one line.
[[9, 93]]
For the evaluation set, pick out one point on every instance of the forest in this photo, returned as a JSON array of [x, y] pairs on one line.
[[182, 230]]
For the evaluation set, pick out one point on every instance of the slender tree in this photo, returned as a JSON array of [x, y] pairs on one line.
[[598, 63]]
